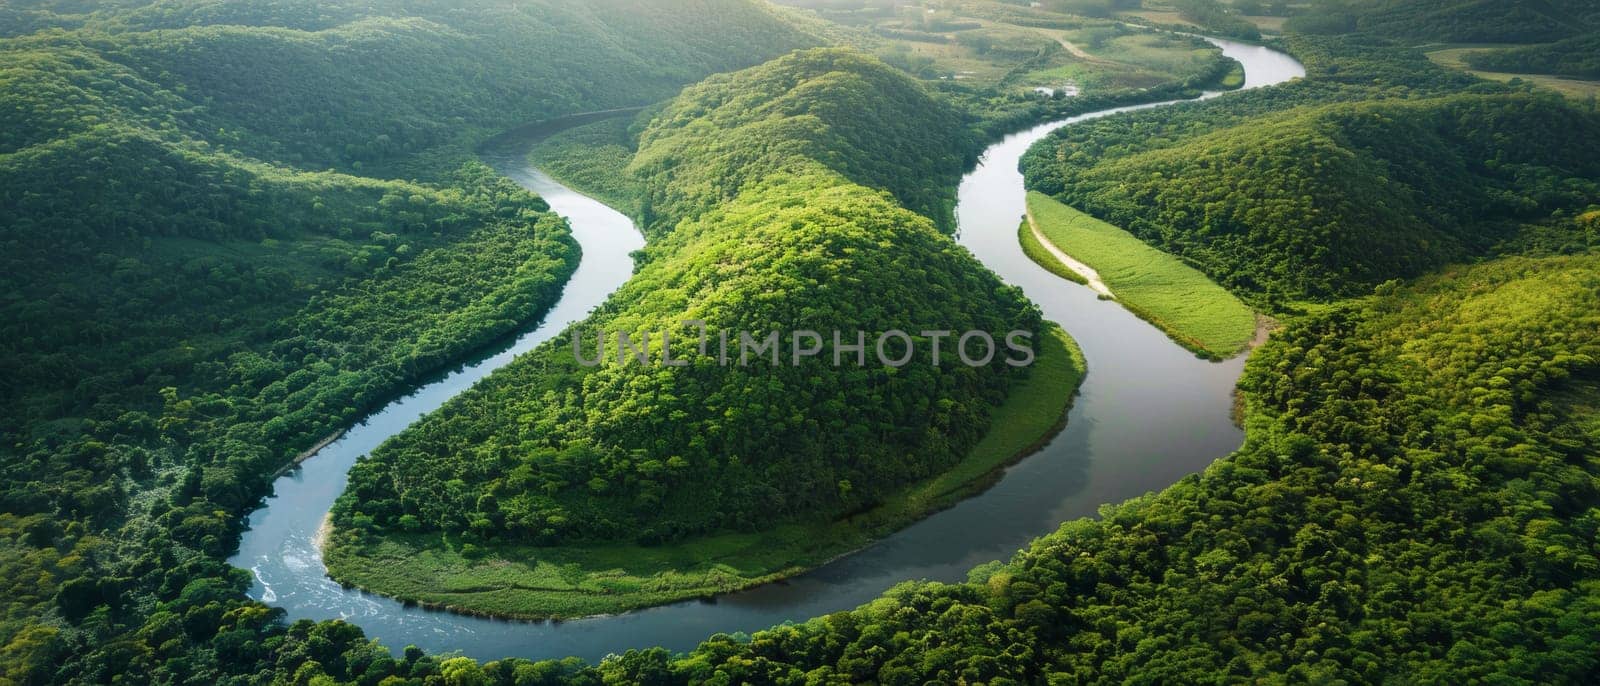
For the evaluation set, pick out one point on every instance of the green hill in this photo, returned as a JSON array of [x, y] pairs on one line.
[[659, 453], [1452, 21], [1330, 200], [857, 117], [1577, 58], [1414, 502], [209, 262], [712, 476]]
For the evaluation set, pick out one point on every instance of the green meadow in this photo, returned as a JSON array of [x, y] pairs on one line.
[[1157, 286]]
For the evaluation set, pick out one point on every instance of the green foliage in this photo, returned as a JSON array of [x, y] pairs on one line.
[[190, 299], [1415, 501], [1577, 58], [356, 83], [1041, 256], [659, 453], [850, 112], [593, 159], [1158, 287], [608, 577], [1328, 199], [1216, 18], [1451, 21]]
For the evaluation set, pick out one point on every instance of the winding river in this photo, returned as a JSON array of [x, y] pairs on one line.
[[1149, 414]]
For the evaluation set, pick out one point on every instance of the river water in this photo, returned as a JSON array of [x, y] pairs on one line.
[[1148, 414]]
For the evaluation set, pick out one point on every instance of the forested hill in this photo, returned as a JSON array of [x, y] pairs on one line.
[[1577, 58], [1414, 502], [218, 134], [208, 262], [1284, 195], [1452, 21], [1333, 200], [660, 453], [846, 111], [358, 84]]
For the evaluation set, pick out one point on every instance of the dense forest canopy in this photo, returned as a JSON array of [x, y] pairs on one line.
[[774, 231], [855, 116], [202, 280], [1577, 57], [1332, 200], [1278, 194], [209, 264], [1415, 501], [1451, 21]]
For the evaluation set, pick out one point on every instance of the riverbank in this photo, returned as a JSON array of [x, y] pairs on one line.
[[531, 582], [592, 159], [1158, 287], [1060, 263], [1108, 452]]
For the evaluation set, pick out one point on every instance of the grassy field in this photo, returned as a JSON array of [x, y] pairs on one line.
[[536, 583], [1097, 55], [1177, 298], [1234, 80], [1041, 255], [1117, 57], [1572, 88], [590, 159], [1166, 17]]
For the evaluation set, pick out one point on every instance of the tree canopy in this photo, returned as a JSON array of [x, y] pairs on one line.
[[1328, 200], [763, 224]]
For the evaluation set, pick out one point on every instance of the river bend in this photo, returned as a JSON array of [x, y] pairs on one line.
[[1149, 413]]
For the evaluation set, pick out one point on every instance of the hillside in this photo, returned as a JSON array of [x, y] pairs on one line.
[[1577, 58], [1452, 21], [861, 119], [1414, 502], [1331, 200], [229, 228], [209, 264], [659, 453]]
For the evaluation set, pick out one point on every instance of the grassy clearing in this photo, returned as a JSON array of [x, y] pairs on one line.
[[1265, 23], [591, 159], [1117, 58], [1177, 298], [1095, 54], [1041, 255], [1453, 57], [1234, 80], [537, 583]]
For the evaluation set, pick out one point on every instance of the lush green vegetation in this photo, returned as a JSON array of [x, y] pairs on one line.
[[1455, 58], [720, 136], [761, 225], [1175, 297], [1415, 501], [1215, 17], [1327, 200], [593, 159], [1007, 50], [1451, 21], [202, 280], [461, 572], [1036, 251], [1577, 58]]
